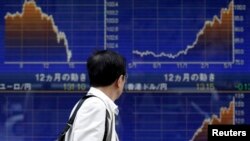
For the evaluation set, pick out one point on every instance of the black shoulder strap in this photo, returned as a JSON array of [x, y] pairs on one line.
[[106, 126], [72, 118]]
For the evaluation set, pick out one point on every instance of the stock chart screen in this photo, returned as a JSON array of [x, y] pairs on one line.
[[178, 45], [187, 64]]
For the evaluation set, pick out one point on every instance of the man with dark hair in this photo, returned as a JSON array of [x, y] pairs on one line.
[[95, 120]]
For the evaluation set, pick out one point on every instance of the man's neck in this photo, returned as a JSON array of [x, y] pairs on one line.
[[109, 91]]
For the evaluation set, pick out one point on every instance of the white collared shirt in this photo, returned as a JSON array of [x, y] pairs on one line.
[[89, 124]]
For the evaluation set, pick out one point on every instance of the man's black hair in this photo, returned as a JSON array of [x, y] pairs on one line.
[[105, 67]]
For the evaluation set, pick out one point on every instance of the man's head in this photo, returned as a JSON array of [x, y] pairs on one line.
[[106, 68]]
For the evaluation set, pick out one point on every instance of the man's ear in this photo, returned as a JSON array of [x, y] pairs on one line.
[[120, 81]]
